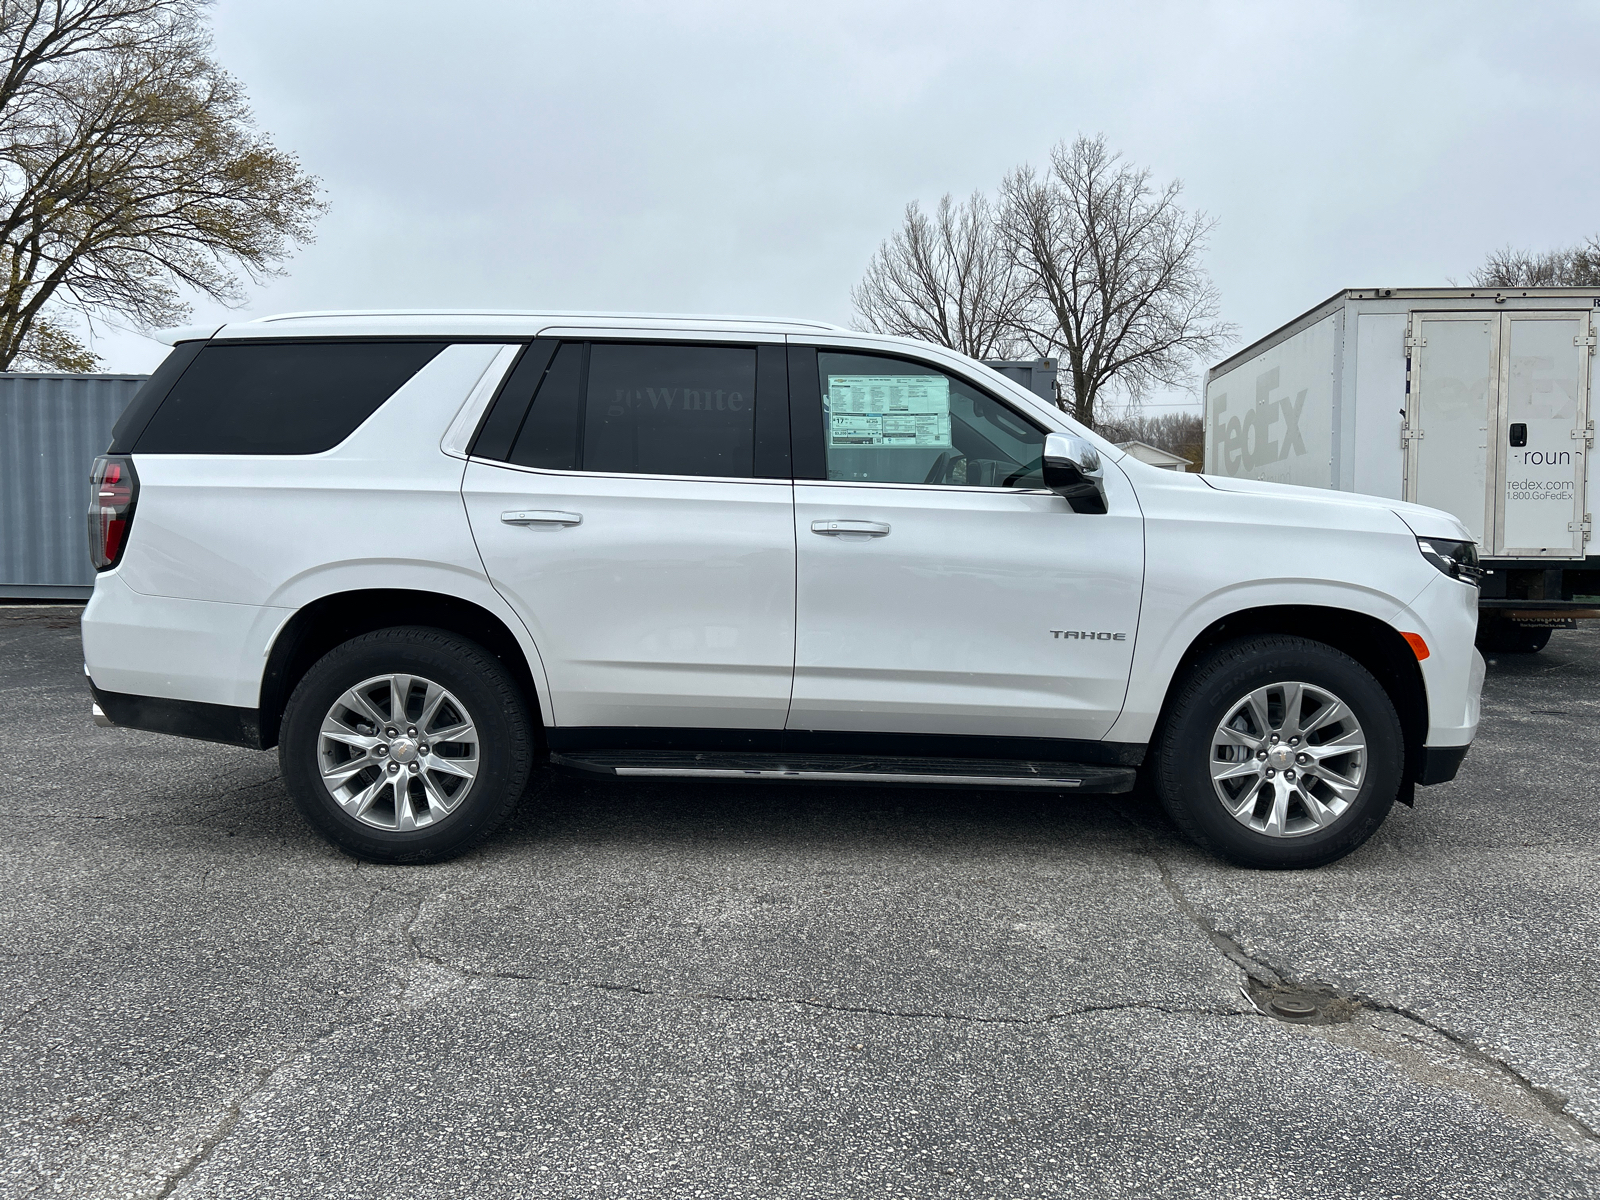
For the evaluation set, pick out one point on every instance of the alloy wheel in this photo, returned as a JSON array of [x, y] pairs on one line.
[[398, 752], [1288, 759]]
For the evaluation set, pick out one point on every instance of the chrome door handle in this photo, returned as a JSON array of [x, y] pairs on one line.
[[541, 517], [836, 528]]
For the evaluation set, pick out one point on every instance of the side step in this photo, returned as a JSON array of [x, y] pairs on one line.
[[850, 768]]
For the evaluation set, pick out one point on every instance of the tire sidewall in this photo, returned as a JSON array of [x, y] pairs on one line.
[[1231, 673], [468, 671]]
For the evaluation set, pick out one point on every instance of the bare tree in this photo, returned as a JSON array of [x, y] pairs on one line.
[[1117, 289], [1182, 434], [1569, 266], [129, 169], [945, 279]]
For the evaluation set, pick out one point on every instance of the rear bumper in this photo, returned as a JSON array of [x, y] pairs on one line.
[[181, 718], [184, 650]]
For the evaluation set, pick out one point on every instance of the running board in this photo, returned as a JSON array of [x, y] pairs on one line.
[[850, 768]]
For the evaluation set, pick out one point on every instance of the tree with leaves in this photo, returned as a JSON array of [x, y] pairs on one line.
[[945, 279], [130, 170], [1568, 266]]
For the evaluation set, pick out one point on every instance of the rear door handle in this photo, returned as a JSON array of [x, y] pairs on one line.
[[541, 517], [838, 528]]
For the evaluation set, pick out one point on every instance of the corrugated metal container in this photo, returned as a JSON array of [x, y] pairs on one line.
[[1038, 375], [51, 428]]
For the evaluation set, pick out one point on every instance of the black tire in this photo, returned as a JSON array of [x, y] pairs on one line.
[[1496, 635], [505, 743], [1182, 753]]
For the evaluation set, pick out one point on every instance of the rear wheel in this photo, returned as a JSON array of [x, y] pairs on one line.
[[1279, 752], [1496, 635], [406, 745]]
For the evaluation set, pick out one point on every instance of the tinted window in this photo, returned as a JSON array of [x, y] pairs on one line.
[[549, 434], [670, 410], [289, 398], [887, 420]]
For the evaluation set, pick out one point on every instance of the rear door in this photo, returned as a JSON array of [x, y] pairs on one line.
[[1496, 419], [639, 518], [1545, 374]]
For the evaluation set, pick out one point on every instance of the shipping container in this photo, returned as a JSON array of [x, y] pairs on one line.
[[51, 429], [1038, 375]]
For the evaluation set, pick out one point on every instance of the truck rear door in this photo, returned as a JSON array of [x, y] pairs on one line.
[[1496, 425]]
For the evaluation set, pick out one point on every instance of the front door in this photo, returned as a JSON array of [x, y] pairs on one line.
[[942, 589], [652, 565], [1495, 421]]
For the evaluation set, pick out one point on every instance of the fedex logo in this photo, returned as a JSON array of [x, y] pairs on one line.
[[1245, 444]]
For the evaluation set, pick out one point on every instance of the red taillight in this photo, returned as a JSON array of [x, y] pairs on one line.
[[113, 492]]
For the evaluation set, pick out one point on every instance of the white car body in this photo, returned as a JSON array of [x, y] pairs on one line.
[[704, 603]]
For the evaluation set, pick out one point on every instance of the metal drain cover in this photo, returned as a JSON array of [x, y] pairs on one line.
[[1293, 1008]]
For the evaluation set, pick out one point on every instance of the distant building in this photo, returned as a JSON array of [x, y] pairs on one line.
[[1155, 456]]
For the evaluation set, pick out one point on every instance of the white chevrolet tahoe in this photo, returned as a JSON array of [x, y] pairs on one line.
[[424, 555]]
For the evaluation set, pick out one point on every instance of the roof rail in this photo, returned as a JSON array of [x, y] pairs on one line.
[[542, 314]]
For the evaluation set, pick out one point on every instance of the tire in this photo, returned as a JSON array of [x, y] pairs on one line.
[[1321, 820], [345, 785], [1496, 635]]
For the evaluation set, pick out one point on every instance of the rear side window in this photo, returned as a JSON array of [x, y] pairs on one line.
[[549, 434], [671, 410], [279, 398], [644, 409]]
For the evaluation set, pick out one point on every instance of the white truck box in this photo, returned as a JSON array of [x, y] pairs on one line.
[[1473, 400]]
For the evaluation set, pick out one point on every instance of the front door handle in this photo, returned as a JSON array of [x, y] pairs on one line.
[[844, 528], [541, 517]]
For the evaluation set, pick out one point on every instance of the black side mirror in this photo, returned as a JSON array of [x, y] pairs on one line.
[[1072, 471]]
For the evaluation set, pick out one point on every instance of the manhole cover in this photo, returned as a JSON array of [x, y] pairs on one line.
[[1293, 1008]]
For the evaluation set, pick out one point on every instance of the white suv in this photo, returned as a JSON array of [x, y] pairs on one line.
[[424, 554]]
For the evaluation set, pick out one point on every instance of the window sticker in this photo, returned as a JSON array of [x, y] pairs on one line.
[[889, 410]]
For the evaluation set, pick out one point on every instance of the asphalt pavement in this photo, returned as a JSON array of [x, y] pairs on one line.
[[732, 990]]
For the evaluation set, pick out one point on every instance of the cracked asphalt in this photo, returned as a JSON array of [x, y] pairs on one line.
[[769, 991]]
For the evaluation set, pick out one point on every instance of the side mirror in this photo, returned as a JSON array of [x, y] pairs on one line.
[[1072, 471]]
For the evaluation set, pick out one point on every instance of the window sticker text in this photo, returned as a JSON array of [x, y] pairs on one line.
[[889, 410]]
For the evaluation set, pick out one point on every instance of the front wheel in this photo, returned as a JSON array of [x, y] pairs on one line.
[[406, 745], [1279, 752]]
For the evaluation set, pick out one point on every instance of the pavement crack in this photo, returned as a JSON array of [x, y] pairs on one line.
[[469, 973], [235, 1109], [1546, 1098], [1266, 974]]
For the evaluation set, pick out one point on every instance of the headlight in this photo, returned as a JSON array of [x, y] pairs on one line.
[[1459, 560]]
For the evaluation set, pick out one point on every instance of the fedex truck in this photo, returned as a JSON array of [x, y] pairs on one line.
[[1475, 401]]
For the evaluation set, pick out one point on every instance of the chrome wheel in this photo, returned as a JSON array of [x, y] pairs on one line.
[[1288, 759], [398, 752]]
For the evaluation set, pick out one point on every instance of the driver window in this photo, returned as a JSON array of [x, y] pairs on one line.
[[892, 421]]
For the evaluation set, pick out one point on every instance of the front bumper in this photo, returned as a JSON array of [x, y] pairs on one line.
[[1440, 763]]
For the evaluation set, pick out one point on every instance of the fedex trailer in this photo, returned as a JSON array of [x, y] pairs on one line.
[[1471, 400]]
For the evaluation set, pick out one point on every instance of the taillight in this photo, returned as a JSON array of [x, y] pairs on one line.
[[113, 492]]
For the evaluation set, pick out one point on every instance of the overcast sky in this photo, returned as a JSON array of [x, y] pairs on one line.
[[748, 158]]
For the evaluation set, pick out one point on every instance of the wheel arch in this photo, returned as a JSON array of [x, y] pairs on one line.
[[1374, 643], [330, 620]]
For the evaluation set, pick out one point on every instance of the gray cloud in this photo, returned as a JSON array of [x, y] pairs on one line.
[[721, 157]]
